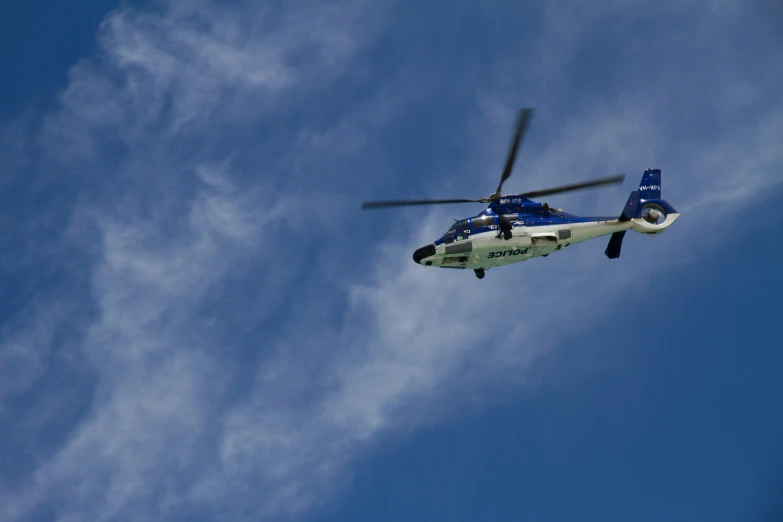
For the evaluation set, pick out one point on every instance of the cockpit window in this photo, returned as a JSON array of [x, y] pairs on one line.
[[458, 230]]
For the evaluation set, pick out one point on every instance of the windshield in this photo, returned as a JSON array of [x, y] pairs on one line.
[[451, 230]]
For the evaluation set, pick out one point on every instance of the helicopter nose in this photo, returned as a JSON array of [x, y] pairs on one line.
[[423, 252]]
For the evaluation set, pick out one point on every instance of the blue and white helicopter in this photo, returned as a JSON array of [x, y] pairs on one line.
[[514, 228]]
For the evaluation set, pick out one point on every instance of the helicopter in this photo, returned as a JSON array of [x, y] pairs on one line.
[[514, 228]]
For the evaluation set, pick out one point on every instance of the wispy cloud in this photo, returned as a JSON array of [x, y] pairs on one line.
[[241, 347]]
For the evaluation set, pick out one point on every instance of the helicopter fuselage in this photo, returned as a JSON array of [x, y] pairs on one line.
[[512, 230]]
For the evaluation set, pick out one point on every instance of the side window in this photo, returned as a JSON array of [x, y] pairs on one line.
[[482, 222], [462, 227], [509, 218]]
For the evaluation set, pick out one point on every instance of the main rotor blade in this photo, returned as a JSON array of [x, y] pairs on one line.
[[611, 180], [413, 202], [523, 118]]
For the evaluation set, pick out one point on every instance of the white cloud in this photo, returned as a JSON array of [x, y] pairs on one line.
[[193, 411]]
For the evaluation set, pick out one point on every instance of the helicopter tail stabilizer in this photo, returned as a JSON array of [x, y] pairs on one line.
[[650, 186], [651, 214], [629, 212], [646, 199]]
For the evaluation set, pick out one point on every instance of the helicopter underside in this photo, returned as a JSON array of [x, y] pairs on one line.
[[485, 250]]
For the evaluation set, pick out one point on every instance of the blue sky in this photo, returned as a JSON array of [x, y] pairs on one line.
[[197, 323]]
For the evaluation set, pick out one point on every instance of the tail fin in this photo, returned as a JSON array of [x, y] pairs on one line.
[[649, 193], [615, 244], [629, 212], [650, 186], [631, 206], [645, 202]]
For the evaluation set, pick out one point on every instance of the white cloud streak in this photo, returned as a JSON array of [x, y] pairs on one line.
[[193, 413]]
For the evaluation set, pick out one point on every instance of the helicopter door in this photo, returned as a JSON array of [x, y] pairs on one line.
[[506, 222]]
